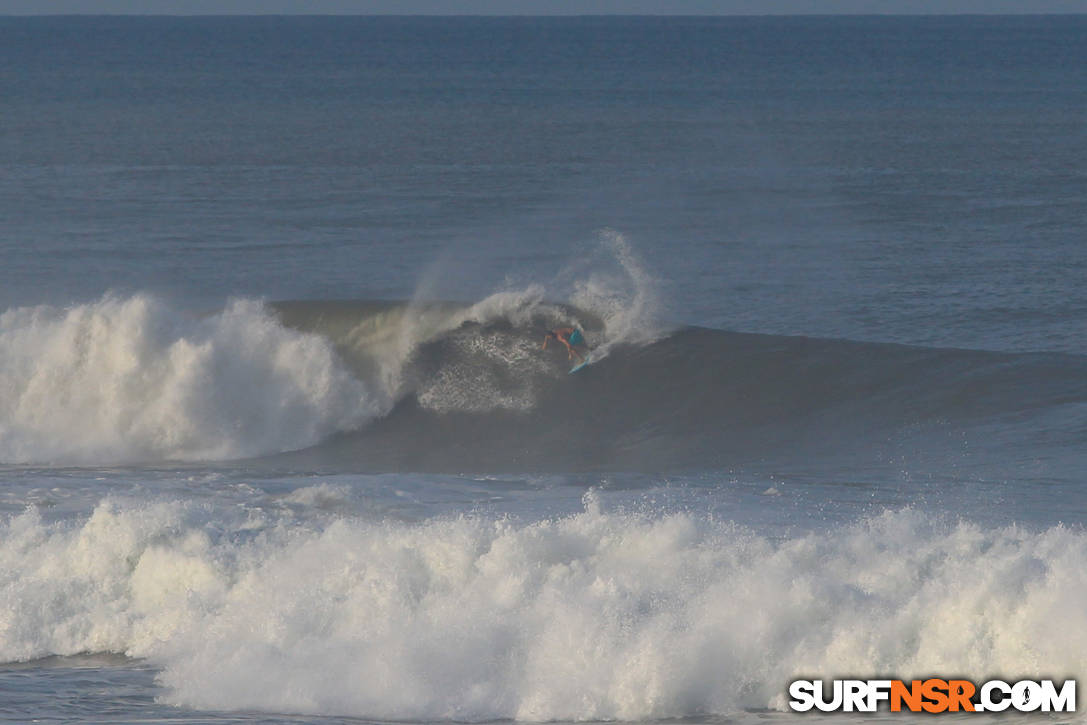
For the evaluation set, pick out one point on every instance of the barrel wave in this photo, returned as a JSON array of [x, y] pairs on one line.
[[394, 386], [483, 396]]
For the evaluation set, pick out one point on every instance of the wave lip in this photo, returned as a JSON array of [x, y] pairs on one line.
[[592, 616]]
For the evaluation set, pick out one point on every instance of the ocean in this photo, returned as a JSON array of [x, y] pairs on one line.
[[280, 443]]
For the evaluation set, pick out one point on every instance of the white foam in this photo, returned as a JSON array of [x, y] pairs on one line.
[[497, 370], [615, 287], [593, 616], [128, 379], [322, 496], [381, 346]]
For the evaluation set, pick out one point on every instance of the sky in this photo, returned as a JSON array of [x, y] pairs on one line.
[[537, 7]]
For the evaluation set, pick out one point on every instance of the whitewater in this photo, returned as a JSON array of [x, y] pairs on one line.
[[246, 527], [593, 616], [124, 380]]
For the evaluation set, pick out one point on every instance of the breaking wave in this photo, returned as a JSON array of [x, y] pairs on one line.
[[598, 615], [133, 379], [454, 387]]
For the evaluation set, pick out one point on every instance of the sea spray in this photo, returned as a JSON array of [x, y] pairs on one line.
[[131, 379], [488, 351], [626, 297]]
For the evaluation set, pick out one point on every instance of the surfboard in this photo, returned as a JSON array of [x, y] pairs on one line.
[[588, 359]]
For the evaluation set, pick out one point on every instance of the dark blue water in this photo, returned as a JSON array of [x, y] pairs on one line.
[[915, 180], [376, 496]]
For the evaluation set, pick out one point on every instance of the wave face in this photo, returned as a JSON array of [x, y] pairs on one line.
[[592, 616], [482, 396], [466, 387], [133, 379]]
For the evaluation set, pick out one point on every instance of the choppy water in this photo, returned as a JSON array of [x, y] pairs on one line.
[[278, 441]]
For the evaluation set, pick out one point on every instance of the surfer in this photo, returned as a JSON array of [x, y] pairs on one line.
[[568, 336]]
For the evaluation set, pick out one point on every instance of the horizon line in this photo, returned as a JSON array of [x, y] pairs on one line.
[[546, 15]]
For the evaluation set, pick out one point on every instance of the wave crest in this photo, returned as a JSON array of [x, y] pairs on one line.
[[129, 379]]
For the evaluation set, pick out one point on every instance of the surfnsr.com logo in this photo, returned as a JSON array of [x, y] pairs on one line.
[[932, 695]]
